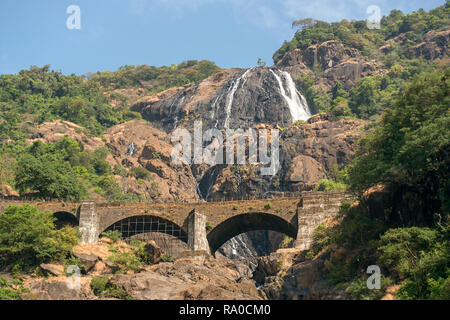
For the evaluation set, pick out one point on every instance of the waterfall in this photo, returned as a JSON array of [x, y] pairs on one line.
[[177, 110], [230, 96], [130, 150], [296, 102]]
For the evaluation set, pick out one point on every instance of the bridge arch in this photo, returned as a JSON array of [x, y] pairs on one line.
[[243, 223], [142, 224], [64, 218]]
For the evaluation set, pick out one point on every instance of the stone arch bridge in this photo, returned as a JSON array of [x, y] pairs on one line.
[[203, 226]]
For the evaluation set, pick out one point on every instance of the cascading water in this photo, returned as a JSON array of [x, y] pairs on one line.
[[296, 102], [131, 148], [230, 96]]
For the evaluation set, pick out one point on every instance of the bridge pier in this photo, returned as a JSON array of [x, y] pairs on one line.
[[89, 223], [315, 208], [197, 240]]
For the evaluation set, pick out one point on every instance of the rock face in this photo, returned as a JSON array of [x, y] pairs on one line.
[[308, 152], [189, 279], [153, 251], [338, 63], [434, 46], [230, 99], [51, 132], [297, 279], [138, 144]]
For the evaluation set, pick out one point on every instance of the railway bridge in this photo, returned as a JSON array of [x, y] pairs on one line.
[[202, 226]]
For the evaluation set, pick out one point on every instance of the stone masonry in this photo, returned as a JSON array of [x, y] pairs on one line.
[[291, 216]]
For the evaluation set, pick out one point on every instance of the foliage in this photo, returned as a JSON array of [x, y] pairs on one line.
[[329, 185], [355, 34], [167, 258], [268, 206], [126, 261], [421, 256], [28, 237], [115, 235], [101, 286], [416, 258], [287, 242], [62, 170], [155, 79], [139, 173], [39, 95], [409, 147], [11, 290], [321, 239]]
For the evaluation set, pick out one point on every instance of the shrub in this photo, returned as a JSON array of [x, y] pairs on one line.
[[126, 261], [298, 123], [101, 286], [98, 284], [11, 290], [321, 239], [167, 258], [329, 185], [208, 226], [139, 173], [268, 206], [28, 237], [120, 171], [156, 155], [115, 235]]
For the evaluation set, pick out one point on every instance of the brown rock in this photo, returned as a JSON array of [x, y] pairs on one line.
[[153, 251], [88, 260], [53, 269], [304, 173], [7, 191], [51, 132]]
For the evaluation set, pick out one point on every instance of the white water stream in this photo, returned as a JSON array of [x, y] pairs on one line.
[[296, 102]]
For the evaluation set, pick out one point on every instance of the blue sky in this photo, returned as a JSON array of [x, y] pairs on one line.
[[232, 33]]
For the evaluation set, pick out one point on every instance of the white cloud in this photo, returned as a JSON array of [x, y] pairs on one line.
[[329, 10], [266, 14]]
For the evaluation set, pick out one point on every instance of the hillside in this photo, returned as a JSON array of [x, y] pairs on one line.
[[359, 110]]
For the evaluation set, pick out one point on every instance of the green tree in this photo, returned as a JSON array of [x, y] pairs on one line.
[[410, 147], [28, 237]]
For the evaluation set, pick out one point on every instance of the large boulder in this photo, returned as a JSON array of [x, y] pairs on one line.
[[304, 173], [153, 252], [53, 269], [88, 260], [7, 191]]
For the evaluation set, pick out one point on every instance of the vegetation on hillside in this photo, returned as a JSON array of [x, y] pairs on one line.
[[408, 153], [370, 96], [155, 79], [355, 34]]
